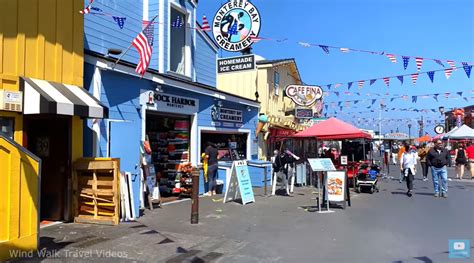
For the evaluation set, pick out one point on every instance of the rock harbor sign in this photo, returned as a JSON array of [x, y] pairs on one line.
[[304, 95], [235, 24]]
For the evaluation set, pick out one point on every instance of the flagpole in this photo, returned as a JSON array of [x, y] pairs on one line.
[[123, 54]]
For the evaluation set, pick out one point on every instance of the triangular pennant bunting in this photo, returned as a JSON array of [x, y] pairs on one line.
[[344, 50], [120, 21], [372, 81], [448, 72], [349, 85], [467, 69], [419, 63], [360, 84], [405, 61], [435, 97], [324, 48], [337, 85], [452, 64], [337, 93], [304, 44], [400, 78], [392, 58], [414, 78], [355, 102], [439, 62], [465, 98], [373, 101], [205, 24], [431, 75], [459, 93], [387, 81], [414, 99], [329, 86]]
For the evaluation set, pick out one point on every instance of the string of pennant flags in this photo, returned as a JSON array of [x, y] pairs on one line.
[[405, 97]]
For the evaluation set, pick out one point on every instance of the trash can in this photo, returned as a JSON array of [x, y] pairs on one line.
[[219, 186]]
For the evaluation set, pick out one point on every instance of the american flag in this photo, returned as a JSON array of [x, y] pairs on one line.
[[233, 30], [448, 72], [452, 64], [414, 78], [144, 50], [405, 61], [148, 29], [177, 23], [392, 58], [419, 62], [387, 81], [205, 24], [86, 10], [361, 84]]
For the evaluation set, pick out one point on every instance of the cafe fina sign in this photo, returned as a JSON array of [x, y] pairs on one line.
[[235, 25], [304, 95]]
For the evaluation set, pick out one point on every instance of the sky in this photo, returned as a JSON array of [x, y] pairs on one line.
[[437, 29]]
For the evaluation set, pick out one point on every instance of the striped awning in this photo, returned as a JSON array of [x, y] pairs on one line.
[[41, 97]]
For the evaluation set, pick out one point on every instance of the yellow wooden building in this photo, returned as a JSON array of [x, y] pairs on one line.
[[267, 82], [42, 106]]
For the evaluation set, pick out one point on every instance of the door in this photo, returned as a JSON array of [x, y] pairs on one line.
[[49, 138]]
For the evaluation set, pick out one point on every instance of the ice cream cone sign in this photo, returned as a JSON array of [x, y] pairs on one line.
[[262, 120]]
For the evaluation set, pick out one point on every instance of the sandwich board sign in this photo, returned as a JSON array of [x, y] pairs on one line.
[[238, 183]]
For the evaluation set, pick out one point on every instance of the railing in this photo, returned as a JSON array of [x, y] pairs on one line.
[[20, 199]]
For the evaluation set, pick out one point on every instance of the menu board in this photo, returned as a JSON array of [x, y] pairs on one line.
[[336, 185], [321, 164]]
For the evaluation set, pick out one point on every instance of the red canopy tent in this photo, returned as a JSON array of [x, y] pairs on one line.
[[333, 129]]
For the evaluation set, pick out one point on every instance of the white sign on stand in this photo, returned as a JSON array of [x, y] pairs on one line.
[[322, 165], [336, 186], [238, 183]]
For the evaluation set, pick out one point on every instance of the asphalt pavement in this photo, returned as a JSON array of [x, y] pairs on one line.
[[382, 227]]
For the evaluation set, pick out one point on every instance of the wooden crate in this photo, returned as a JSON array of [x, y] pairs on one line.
[[96, 191]]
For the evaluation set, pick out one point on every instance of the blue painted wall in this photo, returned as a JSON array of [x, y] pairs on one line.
[[205, 61]]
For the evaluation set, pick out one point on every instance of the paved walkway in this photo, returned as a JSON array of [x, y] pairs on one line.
[[383, 227]]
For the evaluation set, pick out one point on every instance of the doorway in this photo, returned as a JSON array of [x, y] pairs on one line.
[[49, 137]]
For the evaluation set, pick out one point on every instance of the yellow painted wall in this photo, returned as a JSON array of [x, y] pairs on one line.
[[42, 39], [18, 212], [242, 83]]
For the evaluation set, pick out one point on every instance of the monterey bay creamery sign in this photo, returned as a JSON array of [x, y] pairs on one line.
[[236, 64], [236, 25], [226, 114]]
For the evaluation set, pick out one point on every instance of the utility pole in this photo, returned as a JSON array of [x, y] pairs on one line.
[[421, 123]]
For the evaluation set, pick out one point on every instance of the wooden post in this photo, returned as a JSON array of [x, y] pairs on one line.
[[195, 197]]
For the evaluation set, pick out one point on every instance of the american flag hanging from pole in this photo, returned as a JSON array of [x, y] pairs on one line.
[[149, 30], [144, 50], [414, 78], [205, 24], [392, 58], [87, 10], [419, 63]]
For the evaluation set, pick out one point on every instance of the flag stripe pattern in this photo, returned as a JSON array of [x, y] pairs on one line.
[[144, 50], [448, 72], [451, 64], [392, 58], [205, 24], [361, 84], [255, 39], [419, 62], [387, 81], [414, 78], [86, 10]]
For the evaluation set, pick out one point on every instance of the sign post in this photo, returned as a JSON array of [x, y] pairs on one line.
[[238, 182], [322, 165]]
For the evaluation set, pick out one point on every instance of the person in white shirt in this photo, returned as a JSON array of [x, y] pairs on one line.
[[408, 166]]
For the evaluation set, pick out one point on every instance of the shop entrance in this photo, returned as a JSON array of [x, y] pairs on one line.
[[169, 137], [231, 145], [49, 137]]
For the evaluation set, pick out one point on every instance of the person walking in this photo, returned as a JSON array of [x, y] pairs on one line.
[[400, 154], [437, 159], [382, 149], [212, 167], [395, 149], [460, 160], [470, 156], [408, 167], [422, 153]]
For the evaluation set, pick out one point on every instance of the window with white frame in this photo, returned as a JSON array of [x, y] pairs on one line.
[[276, 82], [177, 41]]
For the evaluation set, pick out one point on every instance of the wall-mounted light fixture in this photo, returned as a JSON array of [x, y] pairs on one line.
[[219, 103], [248, 108], [159, 89]]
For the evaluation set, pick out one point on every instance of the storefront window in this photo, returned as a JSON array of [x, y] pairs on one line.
[[276, 81], [231, 147], [177, 41], [6, 127]]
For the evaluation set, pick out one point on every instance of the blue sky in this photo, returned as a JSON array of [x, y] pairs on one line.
[[437, 29]]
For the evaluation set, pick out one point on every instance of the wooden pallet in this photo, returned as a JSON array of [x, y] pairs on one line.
[[96, 191]]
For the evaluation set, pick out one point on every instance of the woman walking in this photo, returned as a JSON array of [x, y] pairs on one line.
[[408, 166], [422, 153], [461, 161]]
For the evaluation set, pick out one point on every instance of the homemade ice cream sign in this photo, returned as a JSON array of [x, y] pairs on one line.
[[304, 95], [236, 25], [235, 64]]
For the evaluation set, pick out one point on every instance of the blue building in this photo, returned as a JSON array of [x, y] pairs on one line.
[[175, 105]]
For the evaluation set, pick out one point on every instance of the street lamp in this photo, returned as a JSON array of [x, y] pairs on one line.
[[409, 131]]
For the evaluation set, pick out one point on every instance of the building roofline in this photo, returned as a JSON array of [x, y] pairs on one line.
[[207, 37]]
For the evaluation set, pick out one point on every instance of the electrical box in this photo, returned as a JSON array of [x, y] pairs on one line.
[[11, 100]]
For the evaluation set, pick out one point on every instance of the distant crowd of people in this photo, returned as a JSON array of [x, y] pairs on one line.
[[434, 157]]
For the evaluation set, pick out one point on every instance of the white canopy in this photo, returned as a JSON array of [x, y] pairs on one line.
[[462, 133]]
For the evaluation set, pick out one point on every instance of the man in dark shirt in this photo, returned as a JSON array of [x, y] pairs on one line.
[[211, 156], [438, 159]]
